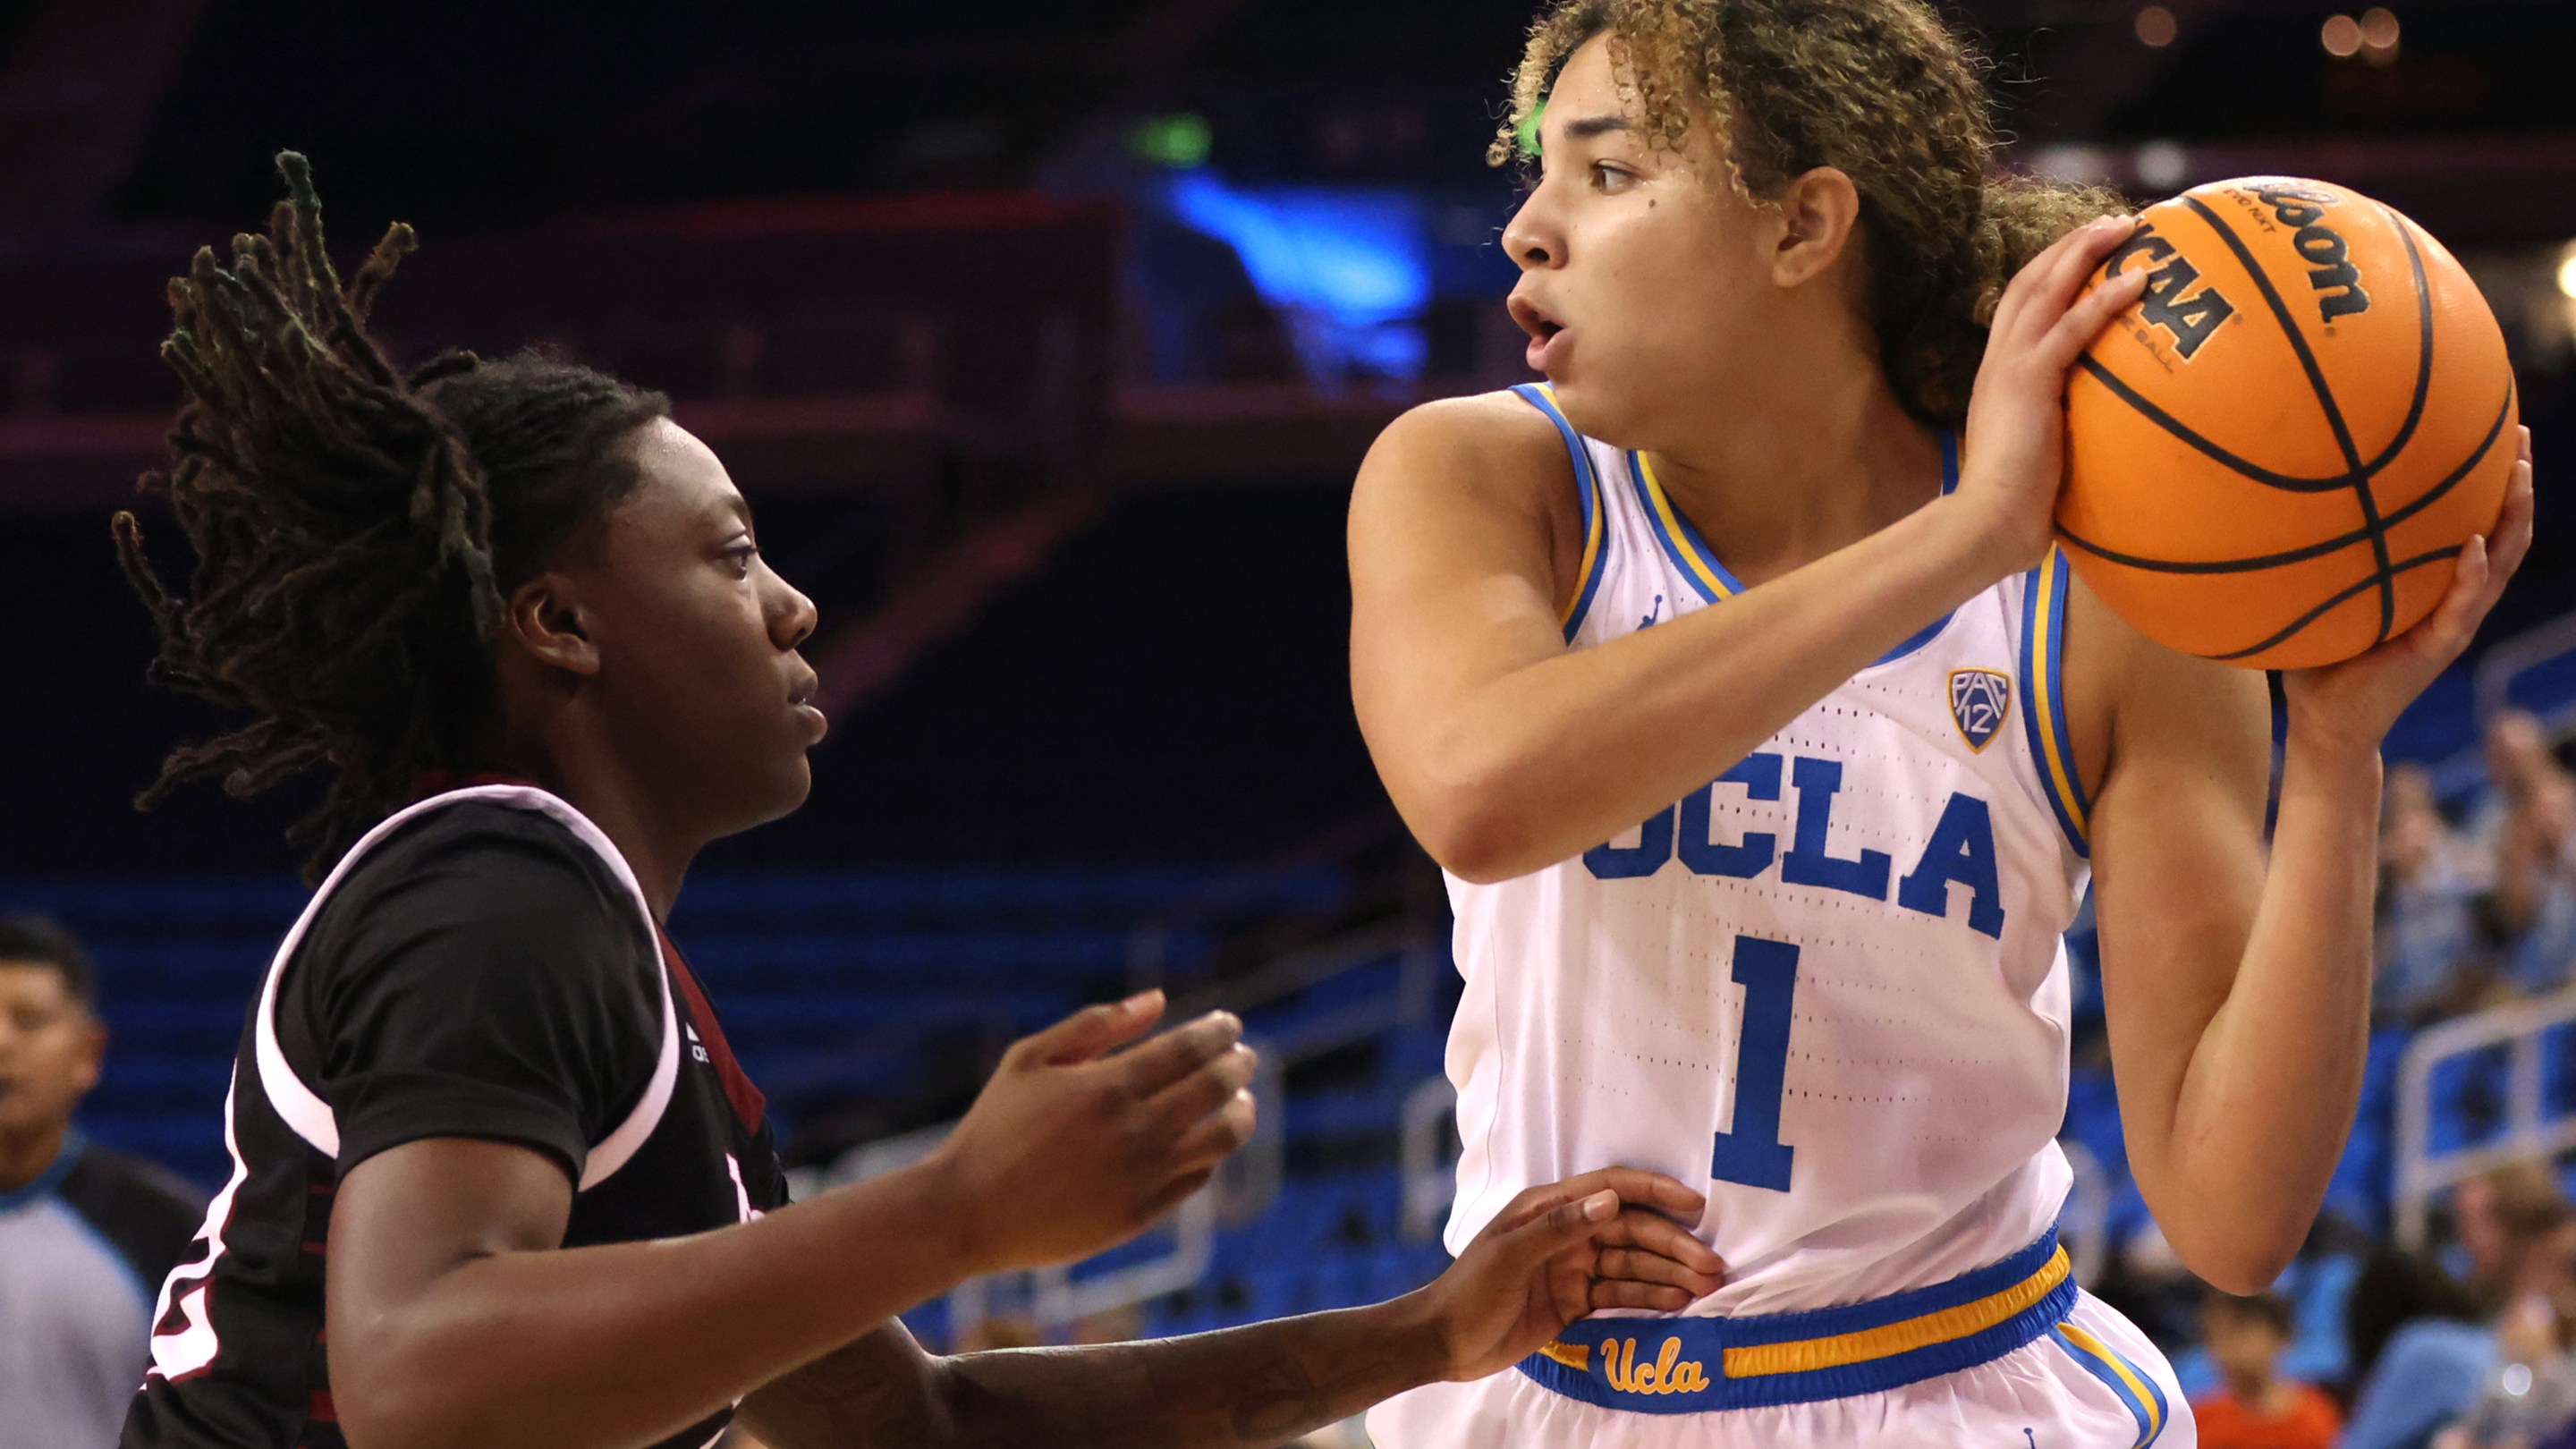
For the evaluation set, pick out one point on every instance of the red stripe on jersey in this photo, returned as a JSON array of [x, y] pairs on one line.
[[748, 1103]]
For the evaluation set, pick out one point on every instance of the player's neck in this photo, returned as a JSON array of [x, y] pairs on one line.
[[602, 786], [27, 1152], [1827, 457]]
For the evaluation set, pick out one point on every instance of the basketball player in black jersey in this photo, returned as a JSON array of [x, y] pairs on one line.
[[497, 1178]]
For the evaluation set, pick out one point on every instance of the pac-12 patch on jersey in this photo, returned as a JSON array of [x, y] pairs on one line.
[[1978, 700]]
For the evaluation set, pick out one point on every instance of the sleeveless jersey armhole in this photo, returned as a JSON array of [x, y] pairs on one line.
[[2043, 698], [302, 1109], [1588, 497]]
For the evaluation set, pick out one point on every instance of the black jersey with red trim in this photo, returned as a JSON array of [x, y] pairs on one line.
[[483, 965]]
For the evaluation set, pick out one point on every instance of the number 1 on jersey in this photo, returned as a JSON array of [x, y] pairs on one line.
[[1751, 1152]]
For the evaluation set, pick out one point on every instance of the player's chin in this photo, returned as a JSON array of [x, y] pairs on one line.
[[1596, 404], [792, 783], [773, 791]]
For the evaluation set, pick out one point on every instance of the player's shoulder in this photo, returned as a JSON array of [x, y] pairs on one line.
[[1496, 425], [1489, 446], [484, 836], [478, 864]]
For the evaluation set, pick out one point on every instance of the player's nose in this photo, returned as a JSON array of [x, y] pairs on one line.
[[1532, 239]]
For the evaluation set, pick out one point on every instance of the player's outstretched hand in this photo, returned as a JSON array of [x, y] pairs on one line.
[[1071, 1150], [2355, 702], [1557, 1252], [2013, 457]]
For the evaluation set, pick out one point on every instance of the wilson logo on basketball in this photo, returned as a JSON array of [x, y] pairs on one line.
[[2187, 317], [2332, 273]]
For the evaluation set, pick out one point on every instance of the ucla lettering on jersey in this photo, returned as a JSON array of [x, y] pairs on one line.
[[1829, 985]]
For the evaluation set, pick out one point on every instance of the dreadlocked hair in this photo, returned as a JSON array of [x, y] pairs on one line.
[[1878, 89], [355, 526]]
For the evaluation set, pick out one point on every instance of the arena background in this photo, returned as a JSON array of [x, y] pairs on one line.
[[1045, 339]]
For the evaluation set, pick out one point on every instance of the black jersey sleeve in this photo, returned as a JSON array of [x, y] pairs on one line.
[[491, 979]]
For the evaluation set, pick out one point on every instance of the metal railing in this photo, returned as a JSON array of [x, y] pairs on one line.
[[2513, 658], [2464, 772], [2530, 1130], [1058, 1298]]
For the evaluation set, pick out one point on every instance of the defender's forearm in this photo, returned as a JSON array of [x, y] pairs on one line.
[[1238, 1388], [2268, 1097], [627, 1342]]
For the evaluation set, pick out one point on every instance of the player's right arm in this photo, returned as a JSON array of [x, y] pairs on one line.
[[456, 1316], [1506, 752]]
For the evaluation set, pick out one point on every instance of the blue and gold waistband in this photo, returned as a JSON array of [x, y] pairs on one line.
[[1688, 1365]]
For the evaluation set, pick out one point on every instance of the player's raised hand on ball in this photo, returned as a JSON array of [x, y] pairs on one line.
[[1070, 1149], [1555, 1253], [2013, 457], [2355, 702]]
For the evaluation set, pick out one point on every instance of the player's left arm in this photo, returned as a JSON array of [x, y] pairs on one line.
[[1606, 1239], [2238, 996]]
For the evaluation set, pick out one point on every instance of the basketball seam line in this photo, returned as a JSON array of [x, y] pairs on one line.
[[2358, 480], [2423, 350], [2429, 497], [2168, 422], [2319, 612]]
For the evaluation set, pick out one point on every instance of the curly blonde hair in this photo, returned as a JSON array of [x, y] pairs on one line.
[[1878, 89]]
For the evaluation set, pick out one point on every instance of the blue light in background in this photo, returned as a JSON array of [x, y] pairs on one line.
[[1348, 269]]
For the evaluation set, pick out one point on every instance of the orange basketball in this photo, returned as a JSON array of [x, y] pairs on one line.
[[2275, 456]]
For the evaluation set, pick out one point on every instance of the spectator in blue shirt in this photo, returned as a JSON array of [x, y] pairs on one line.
[[86, 1234], [2427, 889]]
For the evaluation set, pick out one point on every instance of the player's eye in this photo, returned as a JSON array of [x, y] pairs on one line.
[[738, 556], [1610, 179]]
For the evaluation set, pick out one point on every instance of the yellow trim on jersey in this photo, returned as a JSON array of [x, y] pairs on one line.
[[2045, 648], [1705, 568], [1807, 1354], [1593, 527], [2148, 1398]]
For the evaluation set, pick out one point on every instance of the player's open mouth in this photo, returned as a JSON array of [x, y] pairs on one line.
[[1543, 329], [800, 697]]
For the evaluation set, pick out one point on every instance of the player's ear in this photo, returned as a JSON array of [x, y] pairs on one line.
[[544, 617], [1818, 210]]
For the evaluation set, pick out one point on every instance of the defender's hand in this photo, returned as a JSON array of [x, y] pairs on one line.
[[1070, 1151], [2351, 705], [2013, 458], [1558, 1252]]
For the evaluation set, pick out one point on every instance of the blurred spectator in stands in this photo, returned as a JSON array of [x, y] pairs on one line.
[[2514, 1227], [2428, 884], [2531, 1393], [2258, 1409], [2394, 1289], [2527, 824], [86, 1234]]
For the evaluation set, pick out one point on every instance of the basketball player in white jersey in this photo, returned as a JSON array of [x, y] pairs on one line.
[[1753, 569]]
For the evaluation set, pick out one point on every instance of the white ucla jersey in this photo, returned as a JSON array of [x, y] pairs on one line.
[[1830, 986]]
